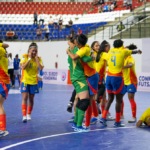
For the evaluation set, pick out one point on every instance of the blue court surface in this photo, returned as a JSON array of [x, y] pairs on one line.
[[49, 128]]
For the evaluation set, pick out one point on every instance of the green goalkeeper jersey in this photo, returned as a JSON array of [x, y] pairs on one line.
[[76, 69]]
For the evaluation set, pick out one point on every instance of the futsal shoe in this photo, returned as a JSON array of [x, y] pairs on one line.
[[122, 117], [103, 121], [110, 118], [69, 108], [28, 117], [98, 108], [24, 120], [85, 127], [74, 125], [71, 120], [132, 120], [3, 133], [94, 120], [119, 124], [81, 129]]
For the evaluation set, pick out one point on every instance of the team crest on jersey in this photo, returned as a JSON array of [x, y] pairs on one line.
[[24, 88]]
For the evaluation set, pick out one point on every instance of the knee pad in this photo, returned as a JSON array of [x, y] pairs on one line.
[[84, 103], [78, 103]]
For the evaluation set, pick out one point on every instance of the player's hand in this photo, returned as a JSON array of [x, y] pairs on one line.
[[36, 57], [93, 56], [139, 52], [30, 54]]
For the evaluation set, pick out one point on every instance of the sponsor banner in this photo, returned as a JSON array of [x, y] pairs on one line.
[[55, 76], [143, 81]]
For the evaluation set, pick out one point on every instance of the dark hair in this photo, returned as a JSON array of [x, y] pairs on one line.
[[32, 44], [131, 47], [82, 39], [92, 45], [103, 45], [118, 43], [10, 55], [71, 38], [16, 55], [1, 41]]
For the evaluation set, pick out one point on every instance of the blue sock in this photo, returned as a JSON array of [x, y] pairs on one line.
[[41, 84]]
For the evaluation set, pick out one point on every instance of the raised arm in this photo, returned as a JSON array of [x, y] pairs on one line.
[[128, 66], [73, 56]]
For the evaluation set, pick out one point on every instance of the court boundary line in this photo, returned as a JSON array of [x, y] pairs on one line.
[[56, 135]]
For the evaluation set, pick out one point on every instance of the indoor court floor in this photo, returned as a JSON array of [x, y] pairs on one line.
[[49, 128]]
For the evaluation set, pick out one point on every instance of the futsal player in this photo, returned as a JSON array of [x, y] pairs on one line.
[[145, 118], [79, 82], [101, 67], [29, 87], [114, 81], [4, 86], [130, 81], [16, 68], [90, 73]]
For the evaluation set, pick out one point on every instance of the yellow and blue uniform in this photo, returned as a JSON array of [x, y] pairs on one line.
[[89, 69], [129, 75], [114, 81], [145, 116], [29, 81], [4, 77]]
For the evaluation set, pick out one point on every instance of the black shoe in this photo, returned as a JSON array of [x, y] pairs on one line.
[[69, 108]]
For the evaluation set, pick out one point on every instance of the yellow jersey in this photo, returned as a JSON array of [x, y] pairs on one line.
[[29, 75], [145, 116], [4, 77], [101, 66], [129, 74], [95, 58], [116, 60], [89, 67]]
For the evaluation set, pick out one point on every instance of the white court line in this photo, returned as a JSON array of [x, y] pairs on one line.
[[20, 143]]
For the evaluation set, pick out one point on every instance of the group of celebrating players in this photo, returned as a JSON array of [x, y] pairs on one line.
[[88, 67]]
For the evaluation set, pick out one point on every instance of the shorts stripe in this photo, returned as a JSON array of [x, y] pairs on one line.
[[92, 89]]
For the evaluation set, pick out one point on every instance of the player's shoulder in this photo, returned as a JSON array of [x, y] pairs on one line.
[[24, 55], [39, 58]]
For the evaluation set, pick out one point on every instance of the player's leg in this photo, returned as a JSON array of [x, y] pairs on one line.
[[119, 98], [133, 107], [70, 105], [24, 106], [30, 106]]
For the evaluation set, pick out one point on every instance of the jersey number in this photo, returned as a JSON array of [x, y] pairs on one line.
[[31, 65], [113, 59]]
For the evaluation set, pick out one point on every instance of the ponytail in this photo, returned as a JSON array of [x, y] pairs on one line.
[[101, 49]]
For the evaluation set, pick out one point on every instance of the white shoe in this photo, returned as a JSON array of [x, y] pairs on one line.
[[132, 120], [122, 117], [24, 120], [85, 127], [109, 117], [3, 133], [28, 117]]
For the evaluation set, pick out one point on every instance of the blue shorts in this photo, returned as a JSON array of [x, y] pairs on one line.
[[115, 85], [93, 83], [132, 88], [4, 89], [32, 89]]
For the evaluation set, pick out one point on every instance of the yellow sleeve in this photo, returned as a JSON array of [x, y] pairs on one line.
[[23, 59], [127, 52], [144, 115], [105, 56], [131, 60], [1, 44], [40, 60], [81, 52], [2, 51]]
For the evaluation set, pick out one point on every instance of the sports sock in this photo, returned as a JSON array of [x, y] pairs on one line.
[[102, 108], [133, 107], [29, 110], [122, 107], [24, 110], [88, 116], [118, 117], [3, 122], [76, 115], [81, 115], [95, 111], [41, 84], [105, 114]]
